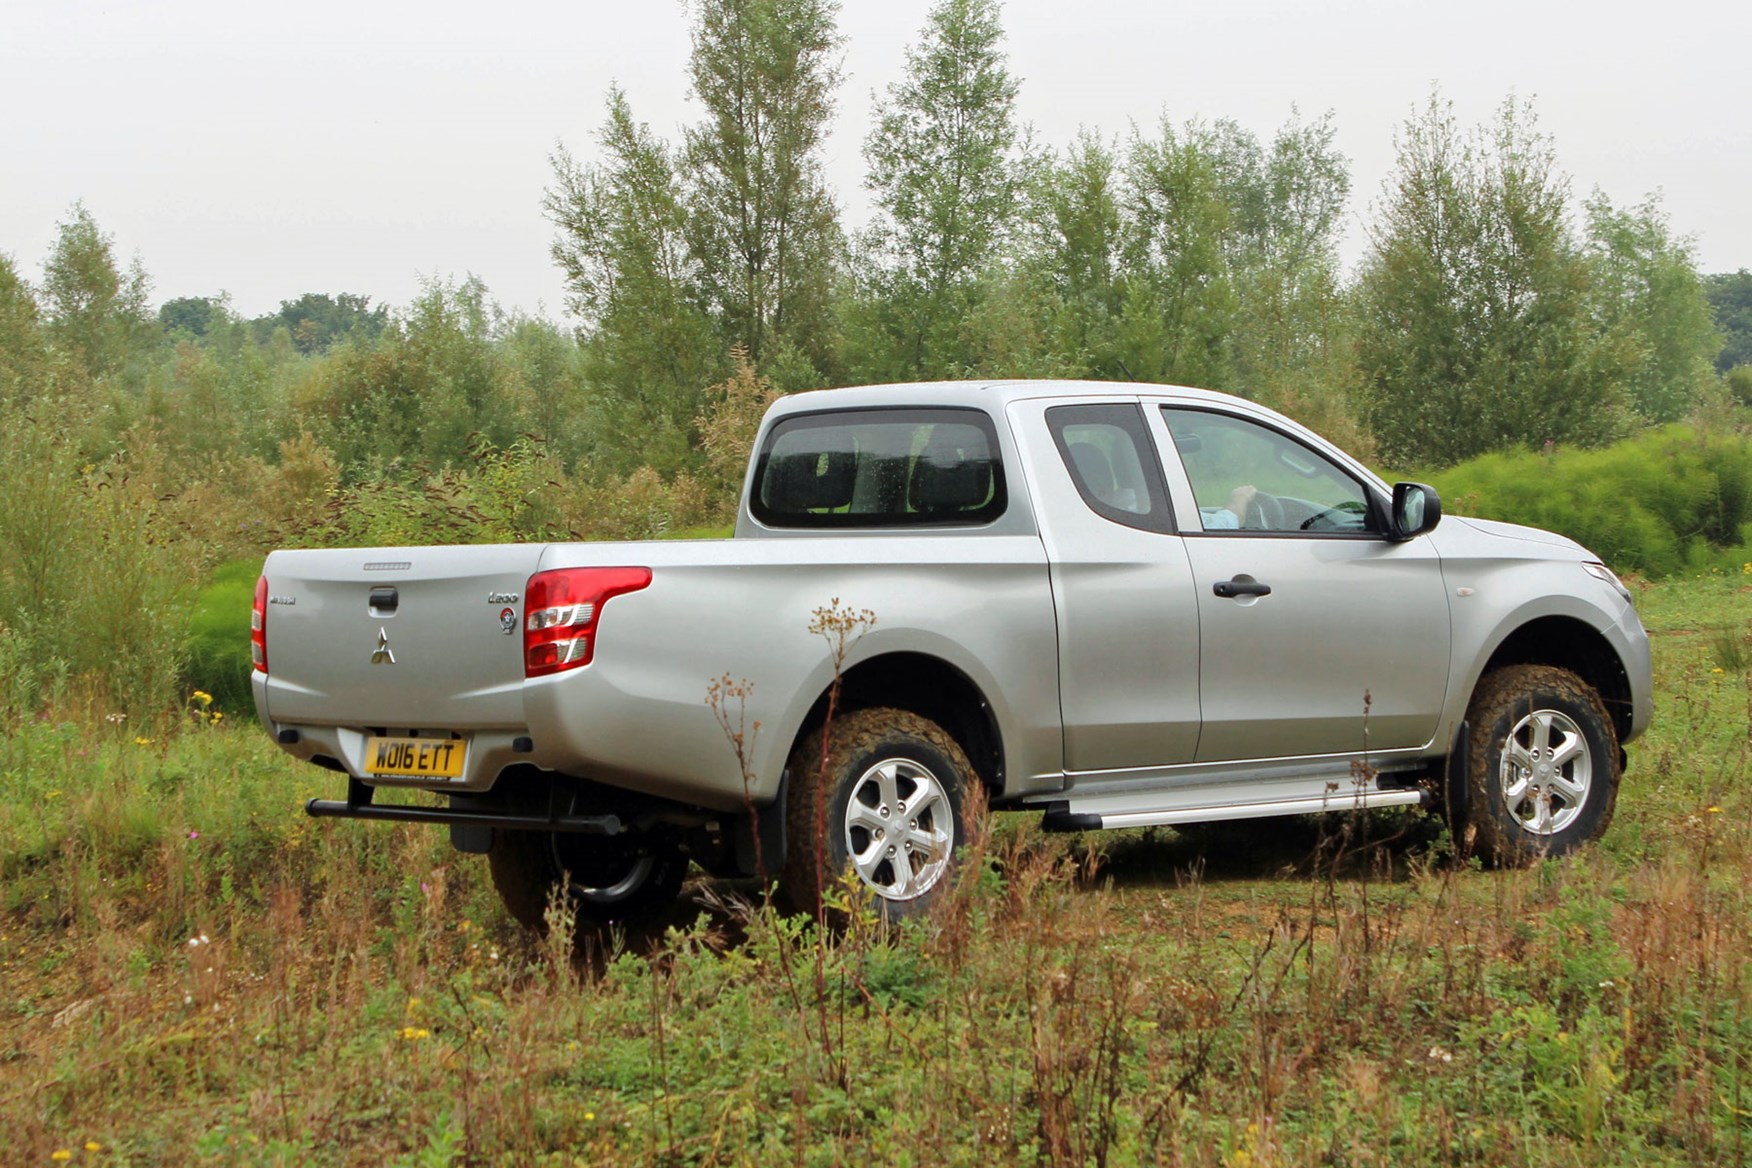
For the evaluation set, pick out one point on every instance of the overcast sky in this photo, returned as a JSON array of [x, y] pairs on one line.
[[271, 150]]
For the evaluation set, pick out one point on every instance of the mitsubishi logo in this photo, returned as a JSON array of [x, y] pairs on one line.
[[382, 655]]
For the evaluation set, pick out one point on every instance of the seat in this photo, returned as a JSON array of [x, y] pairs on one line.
[[810, 481]]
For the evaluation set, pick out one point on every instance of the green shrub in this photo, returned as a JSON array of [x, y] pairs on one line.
[[93, 583], [1669, 500], [1739, 384]]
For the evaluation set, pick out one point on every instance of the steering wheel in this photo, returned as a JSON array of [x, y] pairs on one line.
[[1344, 517], [1264, 513]]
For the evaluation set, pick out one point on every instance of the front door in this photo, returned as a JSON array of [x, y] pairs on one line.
[[1317, 634]]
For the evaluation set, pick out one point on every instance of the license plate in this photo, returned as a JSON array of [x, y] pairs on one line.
[[415, 758]]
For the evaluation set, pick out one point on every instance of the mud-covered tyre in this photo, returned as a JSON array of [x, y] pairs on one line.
[[887, 805], [616, 880], [1544, 767]]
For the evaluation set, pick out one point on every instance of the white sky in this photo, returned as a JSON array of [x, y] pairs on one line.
[[359, 147]]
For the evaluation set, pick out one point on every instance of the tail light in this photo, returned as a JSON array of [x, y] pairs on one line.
[[562, 609], [258, 627]]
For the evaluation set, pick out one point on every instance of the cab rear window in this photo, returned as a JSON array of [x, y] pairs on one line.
[[880, 468]]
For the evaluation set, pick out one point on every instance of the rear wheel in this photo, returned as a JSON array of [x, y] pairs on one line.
[[887, 805], [623, 879], [1543, 775]]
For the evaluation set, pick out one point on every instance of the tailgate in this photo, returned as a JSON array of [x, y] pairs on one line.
[[398, 637]]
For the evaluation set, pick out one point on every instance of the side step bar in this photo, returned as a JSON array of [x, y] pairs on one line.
[[1096, 814], [358, 805]]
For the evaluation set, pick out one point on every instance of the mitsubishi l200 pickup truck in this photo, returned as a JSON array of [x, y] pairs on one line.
[[1111, 605]]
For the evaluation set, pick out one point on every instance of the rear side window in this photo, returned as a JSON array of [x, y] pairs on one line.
[[880, 468], [1111, 459]]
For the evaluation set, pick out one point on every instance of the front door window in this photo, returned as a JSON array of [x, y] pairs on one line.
[[1246, 477]]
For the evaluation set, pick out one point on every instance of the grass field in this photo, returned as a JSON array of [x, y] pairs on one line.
[[192, 971]]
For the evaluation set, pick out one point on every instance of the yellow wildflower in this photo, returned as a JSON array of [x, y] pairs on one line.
[[203, 697], [142, 742], [60, 1155], [1713, 810], [93, 1146], [415, 1033]]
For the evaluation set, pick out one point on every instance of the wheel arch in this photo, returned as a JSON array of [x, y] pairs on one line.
[[930, 687], [1569, 643]]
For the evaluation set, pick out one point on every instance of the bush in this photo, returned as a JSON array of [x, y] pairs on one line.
[[1669, 500], [1739, 383], [93, 587]]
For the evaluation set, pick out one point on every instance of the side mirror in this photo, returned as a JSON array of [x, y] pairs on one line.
[[1416, 509]]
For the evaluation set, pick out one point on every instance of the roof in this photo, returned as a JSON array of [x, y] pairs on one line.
[[988, 395]]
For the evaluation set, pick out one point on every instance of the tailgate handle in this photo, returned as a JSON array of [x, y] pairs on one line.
[[384, 601]]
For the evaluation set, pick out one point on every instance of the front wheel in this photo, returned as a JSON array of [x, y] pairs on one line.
[[1543, 775], [886, 804]]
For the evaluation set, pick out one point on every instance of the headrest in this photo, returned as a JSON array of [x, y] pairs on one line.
[[948, 478], [1093, 465]]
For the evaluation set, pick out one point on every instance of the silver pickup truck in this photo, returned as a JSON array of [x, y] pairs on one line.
[[1113, 605]]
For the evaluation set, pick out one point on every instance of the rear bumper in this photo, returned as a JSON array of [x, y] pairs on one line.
[[342, 748]]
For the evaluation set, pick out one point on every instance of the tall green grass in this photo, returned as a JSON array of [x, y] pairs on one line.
[[219, 655]]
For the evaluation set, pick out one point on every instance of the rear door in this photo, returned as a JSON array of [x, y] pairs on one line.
[[1318, 635], [1121, 584]]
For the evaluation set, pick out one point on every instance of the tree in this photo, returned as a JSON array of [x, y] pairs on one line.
[[650, 344], [1290, 202], [317, 320], [1650, 294], [1180, 301], [23, 357], [1730, 297], [728, 422], [943, 176], [1072, 223], [761, 222], [1052, 312], [96, 311], [193, 315], [1477, 330]]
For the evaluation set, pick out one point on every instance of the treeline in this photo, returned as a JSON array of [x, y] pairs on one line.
[[1491, 310], [139, 446]]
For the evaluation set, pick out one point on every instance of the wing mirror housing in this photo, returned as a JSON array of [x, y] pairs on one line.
[[1416, 509]]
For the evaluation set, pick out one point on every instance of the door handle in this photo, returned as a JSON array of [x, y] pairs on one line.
[[1238, 587]]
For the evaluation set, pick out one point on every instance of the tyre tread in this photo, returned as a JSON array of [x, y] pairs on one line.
[[1499, 692], [853, 733]]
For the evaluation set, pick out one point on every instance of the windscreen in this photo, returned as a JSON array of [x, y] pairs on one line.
[[880, 468]]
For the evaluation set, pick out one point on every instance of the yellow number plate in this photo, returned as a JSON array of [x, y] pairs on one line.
[[415, 758]]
